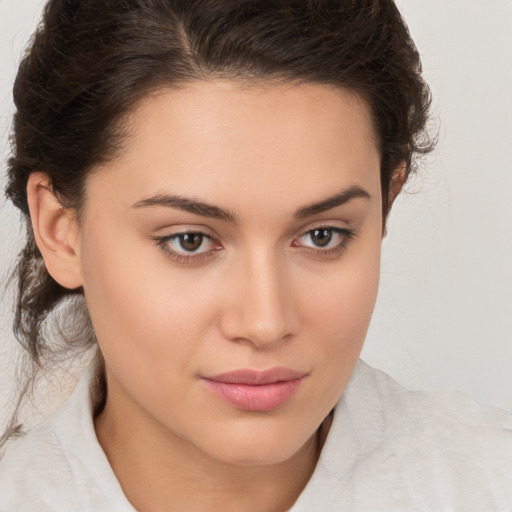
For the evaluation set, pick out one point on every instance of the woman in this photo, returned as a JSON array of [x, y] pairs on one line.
[[213, 180]]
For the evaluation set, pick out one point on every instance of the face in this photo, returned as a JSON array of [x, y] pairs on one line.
[[230, 262]]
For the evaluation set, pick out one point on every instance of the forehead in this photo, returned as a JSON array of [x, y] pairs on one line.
[[232, 140]]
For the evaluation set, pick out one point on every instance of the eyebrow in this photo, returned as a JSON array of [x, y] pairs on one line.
[[187, 205], [215, 212], [332, 202]]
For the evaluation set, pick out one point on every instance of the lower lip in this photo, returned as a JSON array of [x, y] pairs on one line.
[[263, 397]]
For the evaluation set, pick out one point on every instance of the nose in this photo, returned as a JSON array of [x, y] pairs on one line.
[[259, 307]]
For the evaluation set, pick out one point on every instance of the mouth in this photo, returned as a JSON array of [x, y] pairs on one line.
[[256, 391]]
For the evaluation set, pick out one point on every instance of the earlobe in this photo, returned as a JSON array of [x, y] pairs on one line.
[[55, 231]]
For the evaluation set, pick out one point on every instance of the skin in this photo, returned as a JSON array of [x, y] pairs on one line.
[[259, 293]]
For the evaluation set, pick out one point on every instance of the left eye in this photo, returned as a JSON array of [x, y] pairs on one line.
[[324, 238], [186, 243]]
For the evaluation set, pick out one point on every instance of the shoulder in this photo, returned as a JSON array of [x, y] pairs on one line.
[[391, 449], [60, 465], [449, 419], [432, 409], [458, 436], [27, 468]]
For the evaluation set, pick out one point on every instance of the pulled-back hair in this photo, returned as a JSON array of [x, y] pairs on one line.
[[91, 61]]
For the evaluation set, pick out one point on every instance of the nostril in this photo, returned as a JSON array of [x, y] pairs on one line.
[[265, 333]]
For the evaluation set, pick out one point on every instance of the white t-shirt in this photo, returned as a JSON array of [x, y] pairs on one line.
[[388, 449]]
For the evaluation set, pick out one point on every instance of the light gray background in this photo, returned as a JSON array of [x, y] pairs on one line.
[[444, 313]]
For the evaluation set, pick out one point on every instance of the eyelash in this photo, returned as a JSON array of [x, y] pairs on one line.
[[347, 236], [163, 243]]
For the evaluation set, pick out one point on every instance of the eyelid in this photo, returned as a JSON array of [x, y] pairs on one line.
[[185, 257], [347, 234], [169, 230], [324, 224]]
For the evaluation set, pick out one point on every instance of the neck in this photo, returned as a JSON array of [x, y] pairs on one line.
[[159, 471]]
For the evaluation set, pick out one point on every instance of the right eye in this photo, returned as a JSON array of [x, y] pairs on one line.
[[189, 242], [188, 246]]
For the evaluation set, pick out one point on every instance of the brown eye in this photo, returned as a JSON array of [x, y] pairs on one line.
[[190, 242], [189, 246], [325, 240], [321, 237]]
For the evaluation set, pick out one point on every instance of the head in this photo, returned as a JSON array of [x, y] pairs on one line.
[[214, 177]]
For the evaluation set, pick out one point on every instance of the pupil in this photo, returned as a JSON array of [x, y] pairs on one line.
[[191, 241], [321, 237]]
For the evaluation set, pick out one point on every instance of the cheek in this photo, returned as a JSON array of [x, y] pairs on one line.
[[338, 309], [343, 298], [140, 309]]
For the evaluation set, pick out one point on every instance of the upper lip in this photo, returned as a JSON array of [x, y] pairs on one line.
[[257, 377]]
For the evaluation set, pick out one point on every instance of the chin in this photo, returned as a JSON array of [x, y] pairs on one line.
[[259, 447], [255, 456]]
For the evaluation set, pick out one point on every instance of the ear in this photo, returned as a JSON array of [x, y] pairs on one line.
[[56, 232], [397, 182]]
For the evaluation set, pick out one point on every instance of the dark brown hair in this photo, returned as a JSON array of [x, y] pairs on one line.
[[91, 61]]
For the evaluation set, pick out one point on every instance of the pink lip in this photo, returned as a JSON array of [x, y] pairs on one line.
[[253, 390]]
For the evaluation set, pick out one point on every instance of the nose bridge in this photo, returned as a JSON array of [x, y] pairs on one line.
[[261, 311]]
